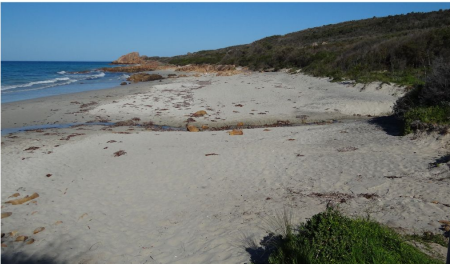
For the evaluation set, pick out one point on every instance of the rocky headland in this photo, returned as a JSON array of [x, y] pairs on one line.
[[130, 58]]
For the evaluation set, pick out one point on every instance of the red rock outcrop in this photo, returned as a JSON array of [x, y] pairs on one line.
[[130, 58]]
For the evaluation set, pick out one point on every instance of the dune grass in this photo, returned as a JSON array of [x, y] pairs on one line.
[[331, 237]]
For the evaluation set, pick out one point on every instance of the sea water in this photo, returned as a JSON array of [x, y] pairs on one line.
[[22, 80]]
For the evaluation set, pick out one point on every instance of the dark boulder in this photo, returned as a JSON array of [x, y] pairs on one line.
[[144, 77]]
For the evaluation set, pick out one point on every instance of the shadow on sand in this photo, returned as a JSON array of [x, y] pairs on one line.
[[261, 254], [21, 258], [389, 124]]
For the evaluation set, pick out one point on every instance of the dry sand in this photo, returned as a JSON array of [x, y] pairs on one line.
[[167, 201]]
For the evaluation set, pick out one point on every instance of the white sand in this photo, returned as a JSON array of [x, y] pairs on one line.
[[164, 201], [265, 98]]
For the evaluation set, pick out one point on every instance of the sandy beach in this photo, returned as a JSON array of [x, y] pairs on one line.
[[137, 194]]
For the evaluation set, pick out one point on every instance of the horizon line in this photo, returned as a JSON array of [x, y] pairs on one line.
[[52, 61]]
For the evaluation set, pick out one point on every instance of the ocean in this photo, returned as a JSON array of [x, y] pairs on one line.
[[22, 80]]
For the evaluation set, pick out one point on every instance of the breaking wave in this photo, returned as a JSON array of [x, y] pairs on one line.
[[51, 81], [37, 85], [95, 76]]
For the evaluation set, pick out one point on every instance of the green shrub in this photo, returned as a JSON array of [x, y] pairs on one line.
[[439, 115], [428, 103], [396, 49], [330, 237]]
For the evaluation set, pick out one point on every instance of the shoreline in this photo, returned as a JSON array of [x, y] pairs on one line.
[[109, 103], [124, 194], [47, 105]]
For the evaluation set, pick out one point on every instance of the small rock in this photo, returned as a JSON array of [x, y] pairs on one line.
[[199, 113], [21, 238], [235, 132], [192, 128]]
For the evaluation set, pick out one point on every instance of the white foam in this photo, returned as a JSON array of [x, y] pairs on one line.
[[34, 83], [56, 81], [96, 76], [43, 87]]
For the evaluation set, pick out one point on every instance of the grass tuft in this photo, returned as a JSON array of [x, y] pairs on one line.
[[428, 237]]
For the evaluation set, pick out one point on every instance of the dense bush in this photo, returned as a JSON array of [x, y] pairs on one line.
[[437, 87], [428, 103], [330, 237]]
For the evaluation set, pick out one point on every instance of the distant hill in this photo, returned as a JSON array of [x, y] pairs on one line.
[[399, 49]]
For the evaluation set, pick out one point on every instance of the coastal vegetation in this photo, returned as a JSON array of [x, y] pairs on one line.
[[331, 237], [411, 50], [397, 49], [427, 106]]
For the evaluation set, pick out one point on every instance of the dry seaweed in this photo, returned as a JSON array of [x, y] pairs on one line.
[[31, 148], [72, 135], [119, 153], [88, 104]]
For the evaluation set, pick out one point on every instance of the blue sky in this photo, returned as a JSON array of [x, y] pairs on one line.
[[105, 31]]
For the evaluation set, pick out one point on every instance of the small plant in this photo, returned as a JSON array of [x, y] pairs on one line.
[[331, 237], [281, 223]]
